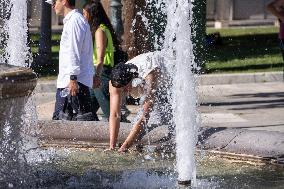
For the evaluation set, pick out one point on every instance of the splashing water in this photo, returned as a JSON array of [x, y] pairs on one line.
[[15, 33], [177, 41], [184, 93], [174, 38], [18, 122]]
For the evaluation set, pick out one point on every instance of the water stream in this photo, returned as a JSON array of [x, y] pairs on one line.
[[178, 30], [170, 30], [25, 165], [19, 148], [177, 41], [16, 33]]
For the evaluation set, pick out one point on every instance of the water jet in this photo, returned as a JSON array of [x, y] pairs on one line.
[[89, 166]]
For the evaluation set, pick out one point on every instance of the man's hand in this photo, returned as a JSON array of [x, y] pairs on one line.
[[97, 82], [73, 86]]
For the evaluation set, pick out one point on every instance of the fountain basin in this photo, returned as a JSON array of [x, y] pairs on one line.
[[244, 144], [93, 168], [16, 81], [94, 133], [16, 84]]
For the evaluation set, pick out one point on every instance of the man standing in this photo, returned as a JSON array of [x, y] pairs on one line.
[[75, 59]]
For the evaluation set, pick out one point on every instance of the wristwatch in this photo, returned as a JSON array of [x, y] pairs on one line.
[[73, 77]]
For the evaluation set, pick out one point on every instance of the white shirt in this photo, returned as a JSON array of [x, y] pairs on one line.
[[147, 62], [76, 51]]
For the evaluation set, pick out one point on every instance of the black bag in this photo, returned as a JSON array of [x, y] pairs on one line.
[[120, 56], [72, 112]]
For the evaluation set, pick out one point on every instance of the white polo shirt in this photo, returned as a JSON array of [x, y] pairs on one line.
[[76, 51]]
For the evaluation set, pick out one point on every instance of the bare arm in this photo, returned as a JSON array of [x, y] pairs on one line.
[[114, 117], [147, 108], [275, 8], [101, 43]]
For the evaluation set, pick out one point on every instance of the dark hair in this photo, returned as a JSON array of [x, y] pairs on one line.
[[98, 16], [71, 3], [122, 74]]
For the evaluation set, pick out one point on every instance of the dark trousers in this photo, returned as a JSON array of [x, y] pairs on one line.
[[100, 96], [83, 97]]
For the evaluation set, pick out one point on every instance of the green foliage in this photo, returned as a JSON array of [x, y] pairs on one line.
[[245, 50], [51, 70], [242, 50], [244, 31]]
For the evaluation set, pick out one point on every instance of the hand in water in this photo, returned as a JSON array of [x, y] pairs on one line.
[[109, 150], [123, 149]]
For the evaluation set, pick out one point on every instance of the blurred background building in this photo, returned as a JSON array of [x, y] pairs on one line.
[[136, 39], [219, 13], [224, 13]]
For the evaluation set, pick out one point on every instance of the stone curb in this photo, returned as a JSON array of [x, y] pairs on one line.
[[44, 86], [219, 79], [96, 131], [264, 144]]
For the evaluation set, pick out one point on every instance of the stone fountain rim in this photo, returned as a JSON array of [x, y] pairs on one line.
[[17, 71], [16, 81]]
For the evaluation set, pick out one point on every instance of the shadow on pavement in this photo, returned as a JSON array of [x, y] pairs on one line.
[[264, 95], [205, 133], [257, 104]]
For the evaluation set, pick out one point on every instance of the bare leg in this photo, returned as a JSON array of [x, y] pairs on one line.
[[114, 118]]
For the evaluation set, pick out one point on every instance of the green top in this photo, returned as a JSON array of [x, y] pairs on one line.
[[109, 53]]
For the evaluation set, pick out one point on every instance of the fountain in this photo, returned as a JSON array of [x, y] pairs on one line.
[[21, 163], [175, 38], [16, 86], [179, 20]]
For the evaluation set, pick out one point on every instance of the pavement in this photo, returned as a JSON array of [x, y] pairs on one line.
[[240, 113]]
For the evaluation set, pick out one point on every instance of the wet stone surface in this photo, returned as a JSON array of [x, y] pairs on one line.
[[93, 168]]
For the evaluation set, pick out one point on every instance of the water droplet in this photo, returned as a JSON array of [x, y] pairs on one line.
[[10, 185]]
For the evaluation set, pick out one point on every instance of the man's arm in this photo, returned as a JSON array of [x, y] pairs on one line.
[[75, 44], [115, 111], [276, 8]]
